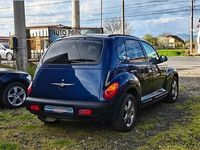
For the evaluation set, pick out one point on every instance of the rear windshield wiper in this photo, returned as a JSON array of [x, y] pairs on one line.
[[79, 60]]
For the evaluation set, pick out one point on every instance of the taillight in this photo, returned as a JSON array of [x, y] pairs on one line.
[[34, 107], [29, 90], [85, 112], [111, 90]]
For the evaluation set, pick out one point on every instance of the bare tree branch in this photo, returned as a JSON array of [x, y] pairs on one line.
[[113, 26]]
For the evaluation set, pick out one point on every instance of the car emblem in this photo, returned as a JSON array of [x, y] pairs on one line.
[[63, 84]]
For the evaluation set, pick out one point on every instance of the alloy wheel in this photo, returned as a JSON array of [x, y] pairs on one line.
[[174, 89], [16, 96], [9, 56], [129, 113]]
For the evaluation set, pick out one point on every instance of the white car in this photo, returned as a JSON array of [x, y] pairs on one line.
[[5, 52]]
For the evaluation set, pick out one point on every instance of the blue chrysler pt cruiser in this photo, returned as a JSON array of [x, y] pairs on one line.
[[100, 77]]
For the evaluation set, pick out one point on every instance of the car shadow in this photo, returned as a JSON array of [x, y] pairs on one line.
[[161, 113]]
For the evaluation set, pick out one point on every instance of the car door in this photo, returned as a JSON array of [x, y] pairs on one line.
[[158, 69], [2, 51], [139, 66]]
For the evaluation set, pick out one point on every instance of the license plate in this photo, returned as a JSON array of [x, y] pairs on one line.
[[59, 109]]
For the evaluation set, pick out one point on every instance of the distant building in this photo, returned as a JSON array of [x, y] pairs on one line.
[[4, 39], [171, 41], [40, 37], [175, 41]]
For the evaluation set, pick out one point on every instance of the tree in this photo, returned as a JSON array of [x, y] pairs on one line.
[[151, 39], [114, 26], [163, 42]]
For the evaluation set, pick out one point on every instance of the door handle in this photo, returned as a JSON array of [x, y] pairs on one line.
[[134, 71]]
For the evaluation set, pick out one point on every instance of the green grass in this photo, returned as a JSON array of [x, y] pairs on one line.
[[173, 52], [9, 146], [180, 136], [31, 69]]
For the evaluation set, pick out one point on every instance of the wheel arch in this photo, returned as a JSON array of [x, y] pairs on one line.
[[17, 80], [171, 73]]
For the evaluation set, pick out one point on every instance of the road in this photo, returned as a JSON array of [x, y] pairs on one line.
[[187, 66], [186, 61]]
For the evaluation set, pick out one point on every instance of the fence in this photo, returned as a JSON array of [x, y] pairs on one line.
[[36, 54]]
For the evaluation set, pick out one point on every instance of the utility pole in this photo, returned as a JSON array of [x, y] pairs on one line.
[[75, 14], [123, 18], [20, 34], [191, 26], [101, 13]]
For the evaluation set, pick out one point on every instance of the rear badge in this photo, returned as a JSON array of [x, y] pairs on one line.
[[62, 84]]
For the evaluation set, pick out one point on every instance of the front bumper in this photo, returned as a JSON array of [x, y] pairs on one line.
[[101, 111]]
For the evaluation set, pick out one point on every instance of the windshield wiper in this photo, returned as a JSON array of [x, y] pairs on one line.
[[79, 60]]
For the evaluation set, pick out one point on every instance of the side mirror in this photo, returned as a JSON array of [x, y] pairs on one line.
[[154, 60], [163, 58]]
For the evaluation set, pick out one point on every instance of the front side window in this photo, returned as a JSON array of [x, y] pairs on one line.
[[6, 46], [150, 51], [76, 51], [134, 51]]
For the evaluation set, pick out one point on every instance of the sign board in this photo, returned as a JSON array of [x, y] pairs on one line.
[[55, 33]]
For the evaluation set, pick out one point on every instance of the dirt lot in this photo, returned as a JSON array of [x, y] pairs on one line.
[[161, 126]]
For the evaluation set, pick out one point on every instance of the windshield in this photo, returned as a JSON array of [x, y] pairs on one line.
[[80, 50], [6, 46]]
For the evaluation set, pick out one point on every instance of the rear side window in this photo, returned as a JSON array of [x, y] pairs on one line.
[[121, 49], [134, 51], [76, 51]]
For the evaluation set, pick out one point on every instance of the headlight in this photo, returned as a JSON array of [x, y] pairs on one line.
[[29, 77]]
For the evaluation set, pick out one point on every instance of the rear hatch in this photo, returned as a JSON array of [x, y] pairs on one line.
[[71, 70]]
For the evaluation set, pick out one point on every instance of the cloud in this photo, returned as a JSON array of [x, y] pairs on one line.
[[90, 9], [164, 20]]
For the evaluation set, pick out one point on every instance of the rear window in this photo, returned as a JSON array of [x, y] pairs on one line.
[[74, 51]]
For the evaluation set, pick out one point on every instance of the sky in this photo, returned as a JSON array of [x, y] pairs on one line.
[[145, 16]]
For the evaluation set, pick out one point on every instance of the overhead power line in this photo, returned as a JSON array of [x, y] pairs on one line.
[[39, 5], [128, 16]]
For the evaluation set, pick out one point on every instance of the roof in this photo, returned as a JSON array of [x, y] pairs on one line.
[[59, 25], [47, 26], [103, 36], [4, 37], [176, 37]]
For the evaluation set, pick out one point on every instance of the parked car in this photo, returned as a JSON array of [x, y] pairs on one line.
[[100, 77], [5, 52], [13, 86]]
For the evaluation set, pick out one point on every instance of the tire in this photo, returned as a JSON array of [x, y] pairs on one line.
[[47, 121], [14, 95], [127, 114], [9, 56], [174, 91]]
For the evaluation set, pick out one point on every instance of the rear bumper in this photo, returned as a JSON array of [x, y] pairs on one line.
[[101, 111]]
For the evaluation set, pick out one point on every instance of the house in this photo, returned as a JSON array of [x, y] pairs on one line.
[[40, 37], [4, 39], [175, 42]]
